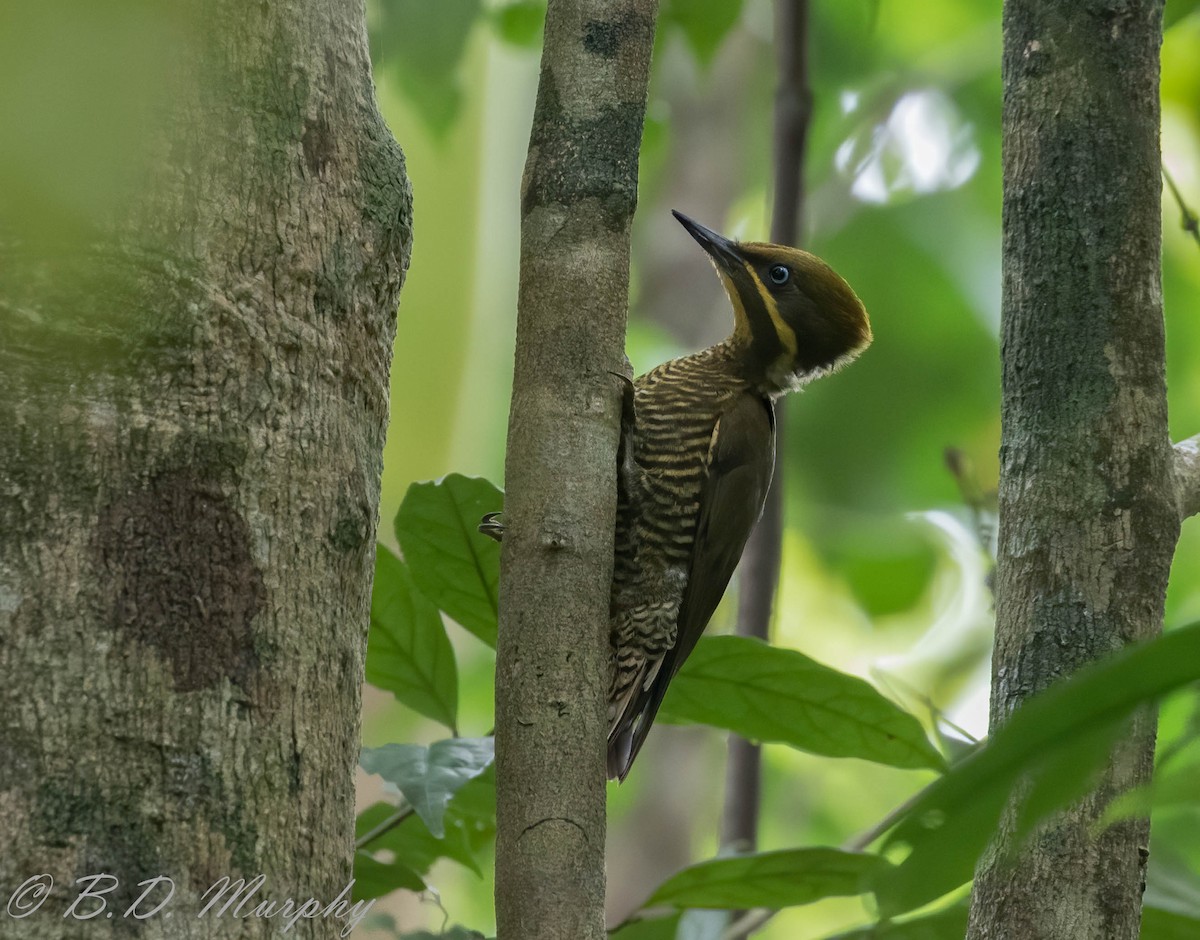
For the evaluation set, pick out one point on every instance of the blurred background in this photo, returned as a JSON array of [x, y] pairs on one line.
[[885, 557], [886, 552]]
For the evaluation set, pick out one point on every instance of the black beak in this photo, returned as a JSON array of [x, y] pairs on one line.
[[721, 249]]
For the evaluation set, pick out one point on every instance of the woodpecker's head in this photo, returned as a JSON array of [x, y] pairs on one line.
[[795, 318]]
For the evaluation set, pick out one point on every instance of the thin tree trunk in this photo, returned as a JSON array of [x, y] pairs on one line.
[[1088, 510], [193, 398], [553, 654], [759, 572]]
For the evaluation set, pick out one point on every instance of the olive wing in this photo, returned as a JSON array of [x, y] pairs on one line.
[[741, 459]]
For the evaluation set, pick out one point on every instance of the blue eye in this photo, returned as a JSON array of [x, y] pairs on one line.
[[779, 274]]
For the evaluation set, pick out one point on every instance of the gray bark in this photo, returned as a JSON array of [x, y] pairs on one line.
[[553, 656], [193, 399], [1089, 515]]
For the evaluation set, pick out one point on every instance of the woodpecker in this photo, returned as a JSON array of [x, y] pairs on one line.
[[696, 457]]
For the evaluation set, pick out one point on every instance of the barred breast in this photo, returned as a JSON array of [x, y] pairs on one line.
[[676, 408]]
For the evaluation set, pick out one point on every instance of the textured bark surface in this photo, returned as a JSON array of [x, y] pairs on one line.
[[193, 402], [552, 670], [1088, 514]]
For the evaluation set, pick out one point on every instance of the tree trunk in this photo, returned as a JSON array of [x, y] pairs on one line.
[[553, 654], [193, 399], [1088, 511]]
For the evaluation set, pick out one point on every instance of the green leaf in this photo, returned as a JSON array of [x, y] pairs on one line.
[[521, 23], [1176, 10], [948, 924], [452, 563], [704, 23], [429, 776], [1166, 925], [422, 44], [373, 879], [470, 824], [650, 928], [765, 693], [769, 879], [1050, 746], [408, 652], [411, 842]]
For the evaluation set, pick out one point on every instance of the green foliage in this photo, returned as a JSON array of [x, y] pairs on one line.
[[704, 23], [454, 933], [430, 776], [761, 692], [469, 828], [521, 23], [455, 567], [408, 652], [373, 878], [765, 693], [1176, 10], [860, 451], [449, 785], [1050, 747], [422, 44], [411, 842], [887, 566], [1167, 925], [650, 928], [769, 879], [947, 924]]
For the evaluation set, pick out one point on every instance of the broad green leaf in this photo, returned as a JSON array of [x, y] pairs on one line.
[[948, 924], [705, 23], [452, 563], [411, 842], [470, 824], [373, 879], [408, 652], [422, 44], [429, 776], [1049, 746], [765, 693], [521, 23], [769, 879], [1166, 925]]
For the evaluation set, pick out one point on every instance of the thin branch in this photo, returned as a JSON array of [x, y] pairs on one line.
[[860, 842], [1187, 476], [748, 923], [1189, 221], [760, 564], [403, 811], [578, 195]]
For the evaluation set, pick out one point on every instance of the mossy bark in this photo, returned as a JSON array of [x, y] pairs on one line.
[[1088, 516], [193, 400], [553, 656]]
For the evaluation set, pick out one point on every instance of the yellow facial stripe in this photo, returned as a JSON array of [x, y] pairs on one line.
[[741, 321], [787, 336]]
